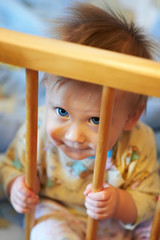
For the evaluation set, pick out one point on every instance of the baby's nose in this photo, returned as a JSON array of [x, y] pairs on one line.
[[76, 133]]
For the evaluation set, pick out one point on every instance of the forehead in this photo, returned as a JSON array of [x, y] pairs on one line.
[[74, 92]]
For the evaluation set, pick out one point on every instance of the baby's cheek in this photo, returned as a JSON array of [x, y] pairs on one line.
[[53, 135], [112, 140], [50, 132]]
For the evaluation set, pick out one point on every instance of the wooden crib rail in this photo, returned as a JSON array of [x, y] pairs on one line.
[[101, 152], [109, 69], [80, 62], [31, 140]]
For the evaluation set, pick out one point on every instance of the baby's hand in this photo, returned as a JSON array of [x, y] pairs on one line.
[[103, 204], [21, 197]]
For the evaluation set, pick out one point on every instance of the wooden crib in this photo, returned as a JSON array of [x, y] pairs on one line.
[[109, 69]]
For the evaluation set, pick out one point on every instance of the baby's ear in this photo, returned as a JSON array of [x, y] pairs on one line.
[[134, 116]]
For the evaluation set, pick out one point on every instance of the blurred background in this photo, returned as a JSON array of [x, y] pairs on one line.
[[35, 17]]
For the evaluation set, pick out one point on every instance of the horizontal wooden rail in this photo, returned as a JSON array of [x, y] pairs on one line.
[[80, 62]]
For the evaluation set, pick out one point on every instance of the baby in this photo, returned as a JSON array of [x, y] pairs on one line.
[[67, 141]]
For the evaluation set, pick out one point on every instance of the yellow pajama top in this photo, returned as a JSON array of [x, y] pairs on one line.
[[133, 166]]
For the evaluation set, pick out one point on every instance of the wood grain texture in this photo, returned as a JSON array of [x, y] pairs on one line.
[[80, 62], [101, 152], [31, 140]]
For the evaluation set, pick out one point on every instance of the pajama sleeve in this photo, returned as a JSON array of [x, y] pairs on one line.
[[14, 159], [142, 174], [136, 170]]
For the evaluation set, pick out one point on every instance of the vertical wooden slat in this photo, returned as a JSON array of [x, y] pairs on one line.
[[155, 231], [31, 138], [101, 152]]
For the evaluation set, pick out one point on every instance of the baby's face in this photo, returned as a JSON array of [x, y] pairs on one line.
[[72, 117]]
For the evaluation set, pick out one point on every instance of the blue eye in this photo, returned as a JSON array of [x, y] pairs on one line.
[[62, 112], [94, 120]]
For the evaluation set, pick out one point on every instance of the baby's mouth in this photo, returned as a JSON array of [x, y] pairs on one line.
[[76, 149]]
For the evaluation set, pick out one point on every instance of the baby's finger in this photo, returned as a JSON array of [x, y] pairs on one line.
[[97, 216], [19, 186], [27, 198], [27, 204], [103, 195], [22, 207], [95, 209], [95, 203], [88, 189], [25, 191], [19, 209]]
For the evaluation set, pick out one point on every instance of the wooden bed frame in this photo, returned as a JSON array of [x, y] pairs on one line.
[[109, 69]]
